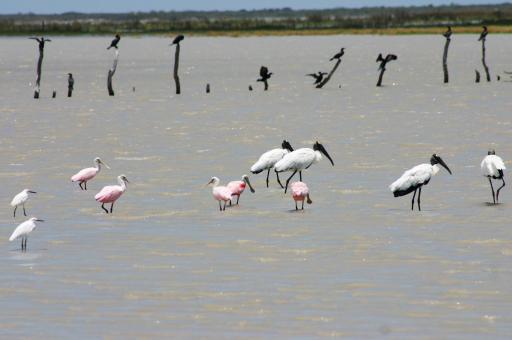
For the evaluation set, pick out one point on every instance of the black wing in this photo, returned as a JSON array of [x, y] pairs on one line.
[[263, 72]]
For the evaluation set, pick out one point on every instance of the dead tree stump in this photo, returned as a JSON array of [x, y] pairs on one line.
[[41, 42], [445, 59], [486, 68], [477, 76], [71, 84], [111, 73]]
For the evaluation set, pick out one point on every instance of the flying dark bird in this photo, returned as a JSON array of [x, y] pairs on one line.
[[448, 33], [318, 76], [178, 39], [41, 41], [415, 178], [114, 42], [339, 54], [484, 33], [264, 74]]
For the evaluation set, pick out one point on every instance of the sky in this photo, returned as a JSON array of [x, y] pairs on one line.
[[95, 6]]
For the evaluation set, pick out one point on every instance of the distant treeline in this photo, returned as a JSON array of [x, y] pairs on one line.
[[284, 19]]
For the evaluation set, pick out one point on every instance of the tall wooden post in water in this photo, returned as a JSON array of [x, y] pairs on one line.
[[41, 42], [483, 37], [111, 72], [447, 35], [176, 42]]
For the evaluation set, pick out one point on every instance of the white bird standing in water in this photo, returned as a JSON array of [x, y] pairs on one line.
[[23, 230], [21, 199], [415, 178], [270, 158], [301, 159], [492, 167]]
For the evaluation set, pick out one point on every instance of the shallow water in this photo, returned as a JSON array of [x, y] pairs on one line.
[[355, 263]]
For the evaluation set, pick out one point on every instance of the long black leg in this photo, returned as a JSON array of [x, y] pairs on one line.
[[85, 185], [419, 197], [498, 191], [24, 213], [103, 207], [224, 209], [16, 207], [220, 206], [302, 205], [237, 199], [278, 180], [112, 207], [493, 197], [300, 175], [26, 238], [268, 173], [80, 185], [296, 208], [413, 196], [229, 202], [288, 181]]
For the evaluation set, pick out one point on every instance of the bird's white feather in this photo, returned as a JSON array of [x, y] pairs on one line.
[[299, 159], [418, 175], [23, 229], [268, 160], [20, 198], [491, 164]]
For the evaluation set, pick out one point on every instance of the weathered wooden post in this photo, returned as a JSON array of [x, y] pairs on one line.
[[41, 42], [482, 38], [264, 76], [325, 80], [54, 94], [111, 72], [477, 76], [208, 88], [71, 83], [176, 42], [447, 35], [382, 66]]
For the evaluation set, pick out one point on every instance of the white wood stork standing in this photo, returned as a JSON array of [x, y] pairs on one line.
[[270, 158], [23, 230], [301, 159], [492, 167], [415, 178], [21, 199]]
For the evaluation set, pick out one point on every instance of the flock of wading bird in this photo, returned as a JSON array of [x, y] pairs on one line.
[[320, 78], [284, 159]]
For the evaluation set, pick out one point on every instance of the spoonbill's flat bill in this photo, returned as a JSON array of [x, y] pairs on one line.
[[22, 231], [270, 158], [111, 193], [238, 187], [414, 179], [21, 199], [492, 167], [301, 159], [85, 175], [300, 192], [220, 193]]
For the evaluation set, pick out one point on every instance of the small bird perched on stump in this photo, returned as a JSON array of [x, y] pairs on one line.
[[484, 33], [114, 42], [339, 54], [448, 33], [178, 39]]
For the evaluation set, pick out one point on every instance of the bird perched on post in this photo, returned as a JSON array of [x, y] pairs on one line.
[[339, 54], [41, 41], [318, 76], [264, 76], [23, 230], [384, 61], [448, 33], [492, 167], [21, 199], [484, 33], [114, 42], [71, 84], [178, 39]]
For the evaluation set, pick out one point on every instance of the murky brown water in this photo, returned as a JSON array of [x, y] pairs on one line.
[[356, 263]]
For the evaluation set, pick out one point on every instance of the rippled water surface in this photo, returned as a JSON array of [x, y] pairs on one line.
[[356, 263]]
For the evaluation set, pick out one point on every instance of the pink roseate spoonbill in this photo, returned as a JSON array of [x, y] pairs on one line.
[[300, 192], [85, 175], [415, 178], [23, 230], [301, 159], [220, 193], [492, 167], [21, 199], [238, 187], [270, 158], [111, 193]]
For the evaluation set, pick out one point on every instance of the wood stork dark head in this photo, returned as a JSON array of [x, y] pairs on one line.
[[435, 159], [319, 147], [286, 145]]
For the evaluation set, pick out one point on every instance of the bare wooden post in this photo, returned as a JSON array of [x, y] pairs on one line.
[[486, 68], [54, 94], [445, 59], [111, 73], [41, 42], [477, 76], [176, 66], [326, 79], [208, 88], [71, 83]]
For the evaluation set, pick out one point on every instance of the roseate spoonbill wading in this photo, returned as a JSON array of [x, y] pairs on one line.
[[238, 187], [85, 175], [415, 178], [220, 193], [21, 199], [300, 192], [23, 230], [492, 167], [111, 193], [270, 158], [301, 159]]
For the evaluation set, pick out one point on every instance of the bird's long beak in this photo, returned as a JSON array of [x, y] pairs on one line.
[[38, 220], [246, 180], [209, 182], [444, 165], [107, 166], [327, 155], [32, 192]]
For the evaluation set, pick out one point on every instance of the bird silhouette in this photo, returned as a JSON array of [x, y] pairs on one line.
[[318, 76], [178, 39], [339, 54], [484, 33], [114, 42], [264, 74], [448, 33]]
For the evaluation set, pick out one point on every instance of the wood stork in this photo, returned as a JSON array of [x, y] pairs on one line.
[[270, 158], [415, 178], [21, 199], [111, 193], [220, 193], [85, 175], [238, 187], [492, 167], [301, 159], [300, 192], [23, 230]]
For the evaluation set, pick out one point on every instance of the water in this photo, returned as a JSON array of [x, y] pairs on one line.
[[356, 263]]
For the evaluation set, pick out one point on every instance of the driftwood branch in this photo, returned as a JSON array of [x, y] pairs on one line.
[[445, 60], [176, 66], [326, 80], [486, 68], [111, 73]]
